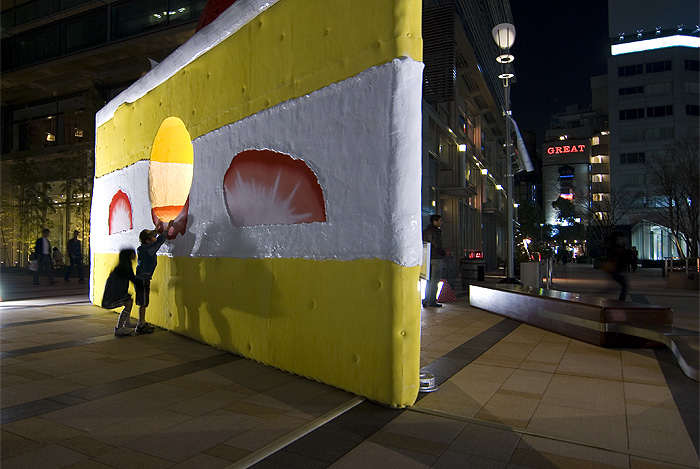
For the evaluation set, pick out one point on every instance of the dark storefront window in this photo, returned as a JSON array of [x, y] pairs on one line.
[[66, 4], [37, 133], [182, 11], [34, 10], [84, 31], [128, 19], [36, 45], [132, 18], [78, 126]]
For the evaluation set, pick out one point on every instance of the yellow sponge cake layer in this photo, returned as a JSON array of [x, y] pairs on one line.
[[287, 51], [301, 315]]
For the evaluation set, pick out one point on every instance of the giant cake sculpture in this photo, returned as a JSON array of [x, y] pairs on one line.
[[284, 140]]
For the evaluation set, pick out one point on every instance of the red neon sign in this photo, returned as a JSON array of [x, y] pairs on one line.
[[476, 254], [560, 149]]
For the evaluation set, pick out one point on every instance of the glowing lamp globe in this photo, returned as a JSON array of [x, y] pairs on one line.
[[504, 35]]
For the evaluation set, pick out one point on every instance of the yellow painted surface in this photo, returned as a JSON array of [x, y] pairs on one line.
[[292, 49], [172, 143], [352, 324]]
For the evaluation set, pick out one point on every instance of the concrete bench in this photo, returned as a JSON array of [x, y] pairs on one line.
[[583, 317], [592, 319]]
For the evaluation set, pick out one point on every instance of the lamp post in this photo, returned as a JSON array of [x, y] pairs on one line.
[[504, 36]]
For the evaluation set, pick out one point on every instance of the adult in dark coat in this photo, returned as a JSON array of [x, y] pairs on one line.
[[42, 253], [433, 235], [76, 258]]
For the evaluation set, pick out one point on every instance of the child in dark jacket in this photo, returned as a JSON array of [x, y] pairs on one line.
[[116, 292], [151, 241]]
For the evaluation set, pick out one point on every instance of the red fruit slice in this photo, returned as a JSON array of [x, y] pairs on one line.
[[120, 213], [179, 220], [265, 187]]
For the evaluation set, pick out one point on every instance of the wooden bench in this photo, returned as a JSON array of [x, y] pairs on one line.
[[598, 321]]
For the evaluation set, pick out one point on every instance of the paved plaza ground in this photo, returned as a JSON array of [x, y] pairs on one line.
[[510, 395]]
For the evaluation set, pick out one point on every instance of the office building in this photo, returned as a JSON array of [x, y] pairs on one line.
[[464, 163], [654, 86], [61, 62]]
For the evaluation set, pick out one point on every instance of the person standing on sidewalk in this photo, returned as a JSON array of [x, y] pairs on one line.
[[75, 255], [433, 235], [42, 251]]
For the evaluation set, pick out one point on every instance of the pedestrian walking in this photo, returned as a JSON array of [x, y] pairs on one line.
[[618, 262], [42, 253]]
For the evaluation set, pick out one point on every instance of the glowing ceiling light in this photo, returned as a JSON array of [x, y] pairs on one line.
[[485, 172], [462, 147], [499, 187]]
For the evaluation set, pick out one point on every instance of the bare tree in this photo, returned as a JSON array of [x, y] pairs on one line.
[[603, 216], [607, 213], [675, 176]]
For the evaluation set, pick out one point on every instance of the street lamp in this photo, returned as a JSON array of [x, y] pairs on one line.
[[504, 36]]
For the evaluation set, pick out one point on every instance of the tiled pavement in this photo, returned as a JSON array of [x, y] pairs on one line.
[[511, 395]]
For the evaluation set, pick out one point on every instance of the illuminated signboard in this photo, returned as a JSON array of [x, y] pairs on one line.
[[562, 149], [476, 254]]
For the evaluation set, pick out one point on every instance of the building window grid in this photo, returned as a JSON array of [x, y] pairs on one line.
[[631, 114], [632, 157], [692, 65], [630, 90], [87, 30], [660, 111], [650, 67]]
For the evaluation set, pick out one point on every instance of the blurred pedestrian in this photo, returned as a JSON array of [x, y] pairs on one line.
[[42, 252], [618, 262]]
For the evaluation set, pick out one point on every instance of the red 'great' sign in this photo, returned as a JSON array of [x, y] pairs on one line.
[[566, 149]]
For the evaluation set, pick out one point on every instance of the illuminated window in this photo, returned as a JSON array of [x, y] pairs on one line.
[[595, 140]]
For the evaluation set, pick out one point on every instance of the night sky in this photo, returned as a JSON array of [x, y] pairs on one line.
[[559, 46]]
